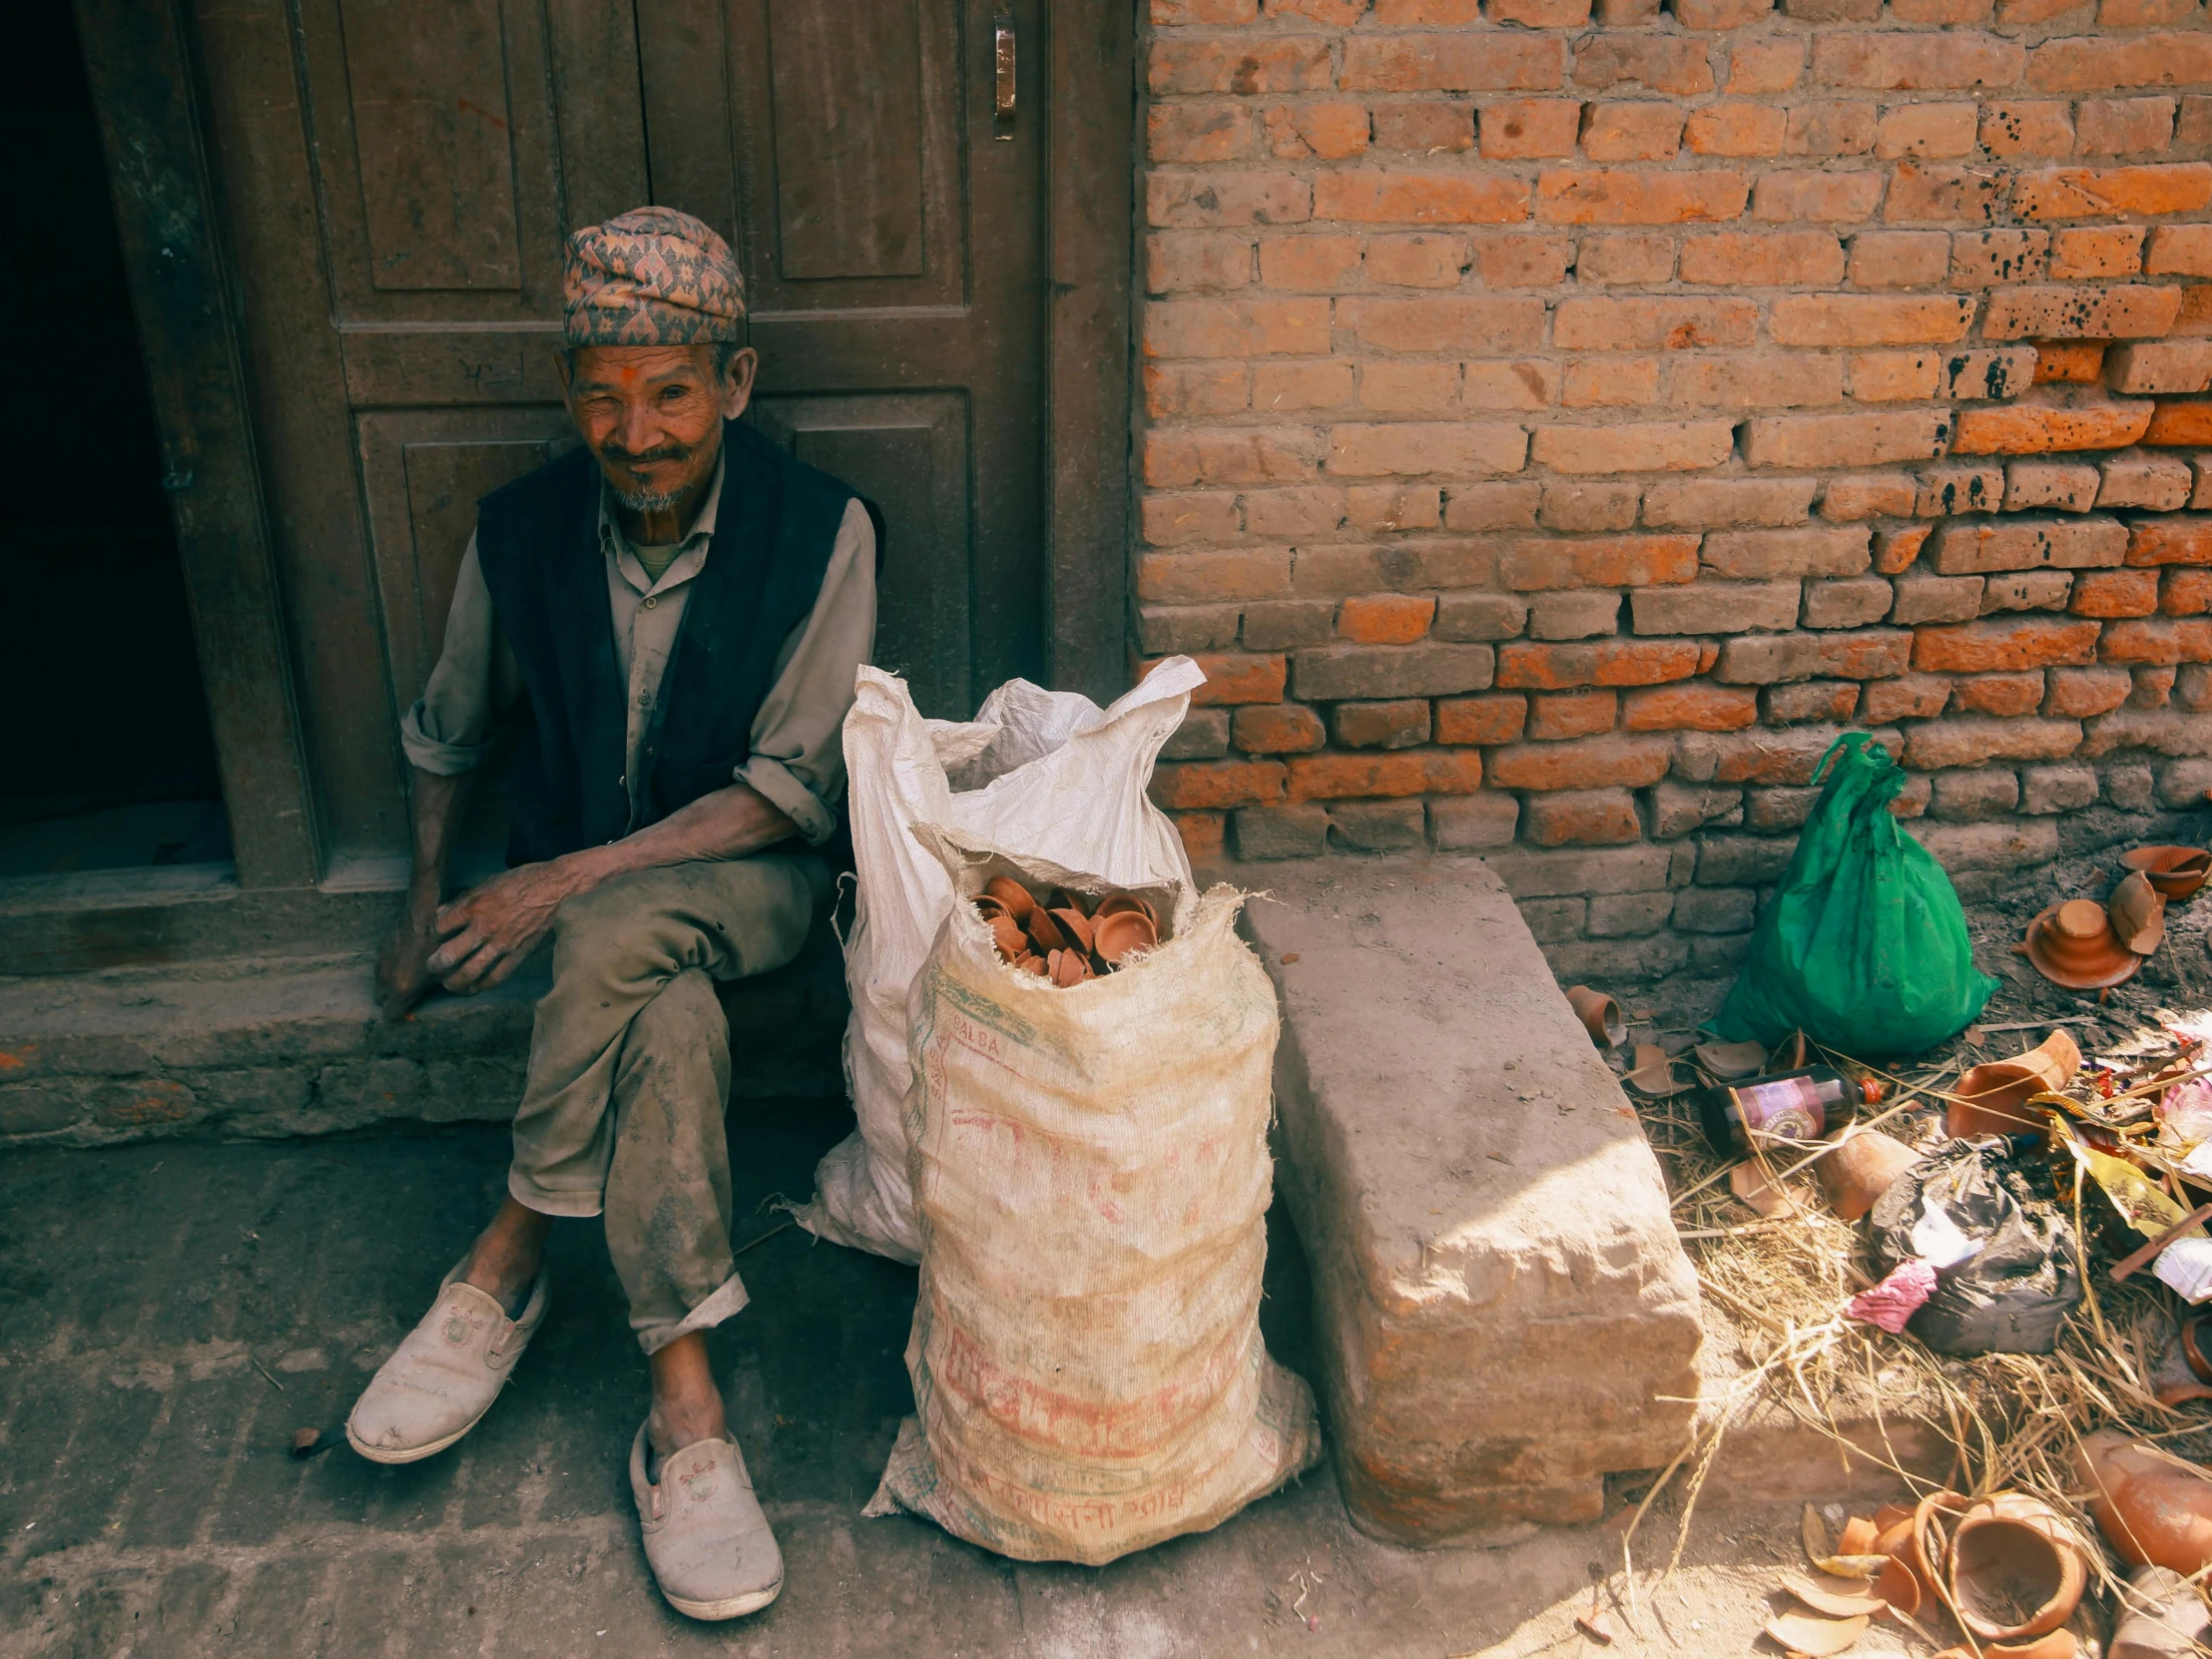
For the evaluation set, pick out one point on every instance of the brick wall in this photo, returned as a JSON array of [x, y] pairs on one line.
[[1558, 428]]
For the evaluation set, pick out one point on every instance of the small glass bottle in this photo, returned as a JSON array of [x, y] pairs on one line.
[[1789, 1106]]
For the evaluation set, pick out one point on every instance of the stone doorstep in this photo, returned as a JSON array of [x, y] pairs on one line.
[[294, 1046], [1503, 1312]]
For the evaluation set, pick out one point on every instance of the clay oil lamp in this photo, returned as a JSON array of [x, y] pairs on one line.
[[1046, 932], [1114, 904], [1006, 934], [2072, 945], [2175, 872], [1006, 891], [1600, 1016], [1116, 935], [1075, 925]]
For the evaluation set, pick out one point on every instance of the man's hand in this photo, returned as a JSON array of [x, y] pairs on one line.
[[488, 930], [403, 965]]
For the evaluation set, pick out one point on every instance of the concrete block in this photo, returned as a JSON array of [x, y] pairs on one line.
[[1499, 1297], [1300, 831], [1473, 822], [1378, 826]]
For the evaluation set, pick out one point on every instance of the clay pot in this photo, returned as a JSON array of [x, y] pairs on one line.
[[1006, 934], [1861, 1169], [1059, 899], [1030, 962], [1920, 1544], [2137, 912], [2072, 945], [1069, 967], [1013, 894], [1046, 931], [2152, 1507], [1897, 1586], [988, 907], [1600, 1016], [1075, 925], [1114, 934], [2195, 1337], [2015, 1571], [1990, 1097], [1114, 904], [2175, 872]]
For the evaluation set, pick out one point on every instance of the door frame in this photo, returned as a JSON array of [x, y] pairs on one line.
[[141, 57]]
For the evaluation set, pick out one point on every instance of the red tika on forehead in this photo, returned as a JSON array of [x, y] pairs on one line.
[[652, 277]]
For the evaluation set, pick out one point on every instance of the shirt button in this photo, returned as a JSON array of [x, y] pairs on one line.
[[622, 782], [650, 602]]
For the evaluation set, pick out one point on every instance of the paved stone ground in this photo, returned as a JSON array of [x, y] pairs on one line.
[[170, 1311]]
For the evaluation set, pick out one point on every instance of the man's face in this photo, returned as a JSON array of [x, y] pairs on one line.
[[652, 414]]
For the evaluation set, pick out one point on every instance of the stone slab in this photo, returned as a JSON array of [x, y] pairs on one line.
[[1502, 1308]]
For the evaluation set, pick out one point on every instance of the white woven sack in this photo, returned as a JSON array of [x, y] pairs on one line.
[[1047, 772], [1092, 1177]]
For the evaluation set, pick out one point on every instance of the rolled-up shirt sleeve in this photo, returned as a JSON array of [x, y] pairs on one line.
[[449, 730], [798, 759]]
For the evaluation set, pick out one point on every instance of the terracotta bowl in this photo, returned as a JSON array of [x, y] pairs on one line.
[[1075, 925], [1069, 967], [1991, 1097], [1114, 934], [2015, 1572], [1114, 904], [1861, 1170], [2176, 872], [988, 907], [1013, 894], [1006, 934], [1045, 931], [2072, 945], [1059, 899], [2152, 1507]]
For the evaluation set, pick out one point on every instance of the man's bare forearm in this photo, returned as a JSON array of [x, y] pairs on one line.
[[727, 824], [434, 805]]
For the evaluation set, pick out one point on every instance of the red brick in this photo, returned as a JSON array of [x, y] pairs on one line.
[[1645, 130], [1411, 449], [1424, 128], [1620, 383], [1526, 665], [1416, 260], [1777, 259], [1581, 818], [1769, 381], [1910, 697], [1198, 131], [1278, 387], [1830, 198], [1519, 262], [2114, 593], [1187, 783], [1944, 744], [1598, 562], [1834, 127], [1571, 714], [2184, 539], [1211, 578], [1196, 515], [1736, 128], [1180, 13], [1239, 677], [1926, 130], [1869, 318], [1413, 14], [1277, 729], [2091, 64], [2020, 642], [2125, 126], [1541, 14], [1845, 440], [1463, 62], [1985, 259], [1655, 325], [1318, 265], [1898, 62], [1242, 64], [1195, 388], [2027, 127], [1294, 513], [1769, 64], [1402, 772], [1508, 386], [1372, 197], [1484, 720], [1895, 376], [2180, 425], [2105, 250], [2186, 592], [1615, 196], [2096, 192], [2083, 693], [2017, 692], [1931, 192], [1663, 63], [1186, 260], [1410, 388], [2068, 364], [1399, 724], [1693, 706], [1236, 327], [1385, 618], [1582, 764], [1638, 446], [1178, 457], [1332, 132], [2039, 429], [1524, 128], [1205, 201], [1202, 835], [2180, 250], [2158, 639], [1476, 324], [1895, 549]]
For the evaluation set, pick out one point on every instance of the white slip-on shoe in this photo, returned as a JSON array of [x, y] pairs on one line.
[[706, 1539], [444, 1375]]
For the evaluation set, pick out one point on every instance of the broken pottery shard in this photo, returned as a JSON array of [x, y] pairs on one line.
[[2138, 914], [1732, 1060], [1749, 1183], [1838, 1599], [1803, 1633]]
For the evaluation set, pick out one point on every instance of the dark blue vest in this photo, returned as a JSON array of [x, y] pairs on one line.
[[538, 541]]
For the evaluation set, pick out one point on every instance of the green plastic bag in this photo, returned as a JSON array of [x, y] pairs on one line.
[[1862, 946]]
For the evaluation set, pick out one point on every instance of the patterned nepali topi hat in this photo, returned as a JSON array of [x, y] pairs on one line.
[[652, 277]]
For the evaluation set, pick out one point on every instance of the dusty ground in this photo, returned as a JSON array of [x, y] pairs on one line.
[[169, 1313]]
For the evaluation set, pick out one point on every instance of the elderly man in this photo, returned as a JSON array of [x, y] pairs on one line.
[[672, 616]]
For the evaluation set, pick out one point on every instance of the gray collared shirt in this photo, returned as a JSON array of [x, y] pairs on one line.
[[798, 759]]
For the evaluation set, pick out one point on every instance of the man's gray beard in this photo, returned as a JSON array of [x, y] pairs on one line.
[[649, 501]]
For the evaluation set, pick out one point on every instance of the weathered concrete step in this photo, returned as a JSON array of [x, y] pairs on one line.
[[1503, 1313], [295, 1045]]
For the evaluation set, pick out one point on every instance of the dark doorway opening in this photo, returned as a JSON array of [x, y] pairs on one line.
[[111, 763]]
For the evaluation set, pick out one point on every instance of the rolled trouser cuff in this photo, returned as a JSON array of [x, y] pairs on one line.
[[727, 1298], [581, 1206]]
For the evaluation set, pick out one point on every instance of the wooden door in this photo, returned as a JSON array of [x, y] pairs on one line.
[[889, 220], [397, 176]]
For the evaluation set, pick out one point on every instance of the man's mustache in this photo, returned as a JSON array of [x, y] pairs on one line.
[[614, 455]]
